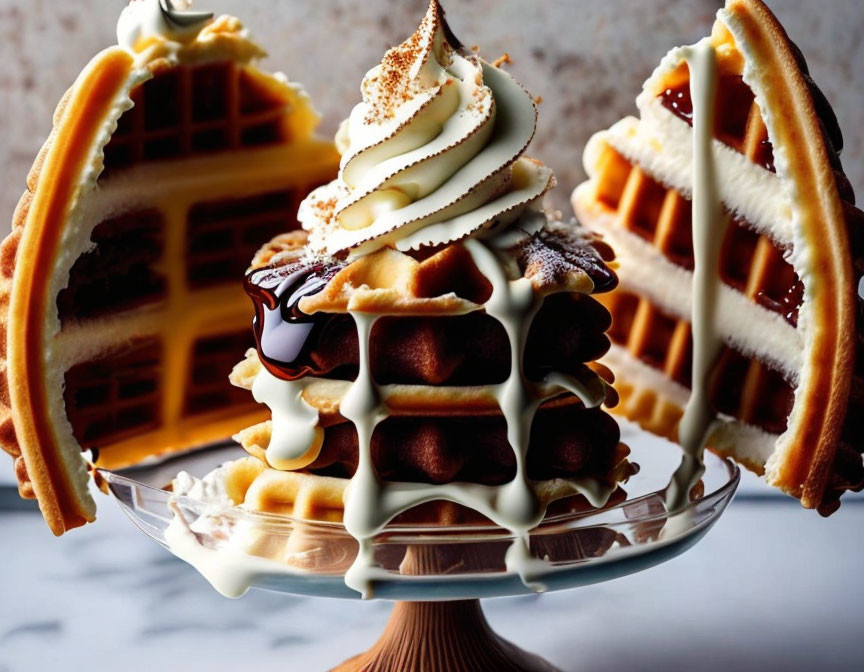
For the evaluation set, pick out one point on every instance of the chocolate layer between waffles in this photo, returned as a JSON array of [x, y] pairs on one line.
[[169, 164], [787, 384]]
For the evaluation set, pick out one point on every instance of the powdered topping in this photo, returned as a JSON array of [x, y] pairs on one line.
[[432, 153], [398, 79], [564, 255]]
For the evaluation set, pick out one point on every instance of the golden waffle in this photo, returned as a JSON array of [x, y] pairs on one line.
[[433, 333], [782, 383], [121, 275], [440, 434]]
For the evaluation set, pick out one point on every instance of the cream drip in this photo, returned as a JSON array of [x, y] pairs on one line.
[[437, 140], [219, 540], [296, 438], [709, 225], [371, 503], [170, 20]]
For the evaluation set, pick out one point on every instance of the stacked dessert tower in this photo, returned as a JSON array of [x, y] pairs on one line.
[[425, 344], [429, 336]]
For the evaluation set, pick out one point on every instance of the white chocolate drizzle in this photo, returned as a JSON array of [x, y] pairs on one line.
[[371, 503], [709, 226], [437, 161], [296, 439]]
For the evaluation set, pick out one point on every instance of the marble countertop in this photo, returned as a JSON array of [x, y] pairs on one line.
[[770, 585]]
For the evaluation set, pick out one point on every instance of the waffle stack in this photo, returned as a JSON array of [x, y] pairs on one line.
[[426, 344], [169, 164], [436, 357], [786, 385]]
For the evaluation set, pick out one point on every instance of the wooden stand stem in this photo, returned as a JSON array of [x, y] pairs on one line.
[[439, 637]]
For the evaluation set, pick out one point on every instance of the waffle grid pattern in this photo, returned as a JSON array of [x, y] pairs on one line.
[[200, 316], [751, 263], [117, 395], [739, 122], [438, 357], [744, 388], [222, 236], [197, 110]]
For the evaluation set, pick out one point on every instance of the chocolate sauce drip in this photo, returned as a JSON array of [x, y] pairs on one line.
[[678, 102], [284, 334], [788, 304]]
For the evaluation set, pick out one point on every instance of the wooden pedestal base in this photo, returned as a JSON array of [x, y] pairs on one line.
[[442, 637]]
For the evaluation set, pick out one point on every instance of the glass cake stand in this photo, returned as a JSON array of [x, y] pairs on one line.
[[437, 574]]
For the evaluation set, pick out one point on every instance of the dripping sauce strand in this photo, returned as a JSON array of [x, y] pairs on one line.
[[732, 109], [284, 334]]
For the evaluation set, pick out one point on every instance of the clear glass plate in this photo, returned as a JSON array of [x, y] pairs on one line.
[[435, 562]]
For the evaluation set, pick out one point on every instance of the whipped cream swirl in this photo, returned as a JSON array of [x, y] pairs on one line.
[[432, 154], [142, 21]]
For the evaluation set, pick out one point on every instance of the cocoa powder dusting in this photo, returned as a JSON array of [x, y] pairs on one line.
[[393, 86]]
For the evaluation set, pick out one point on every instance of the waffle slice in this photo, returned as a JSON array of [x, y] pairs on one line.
[[168, 166], [786, 386]]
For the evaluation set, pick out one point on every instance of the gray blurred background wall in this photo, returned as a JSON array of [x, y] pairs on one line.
[[586, 58]]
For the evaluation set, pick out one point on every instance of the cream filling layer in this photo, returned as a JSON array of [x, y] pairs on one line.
[[661, 144], [800, 256], [171, 189], [751, 445], [748, 327]]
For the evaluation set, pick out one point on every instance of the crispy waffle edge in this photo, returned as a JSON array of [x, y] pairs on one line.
[[56, 519], [829, 395]]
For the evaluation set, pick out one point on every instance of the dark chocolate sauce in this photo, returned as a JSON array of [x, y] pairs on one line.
[[284, 334], [787, 305], [734, 101], [678, 101]]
